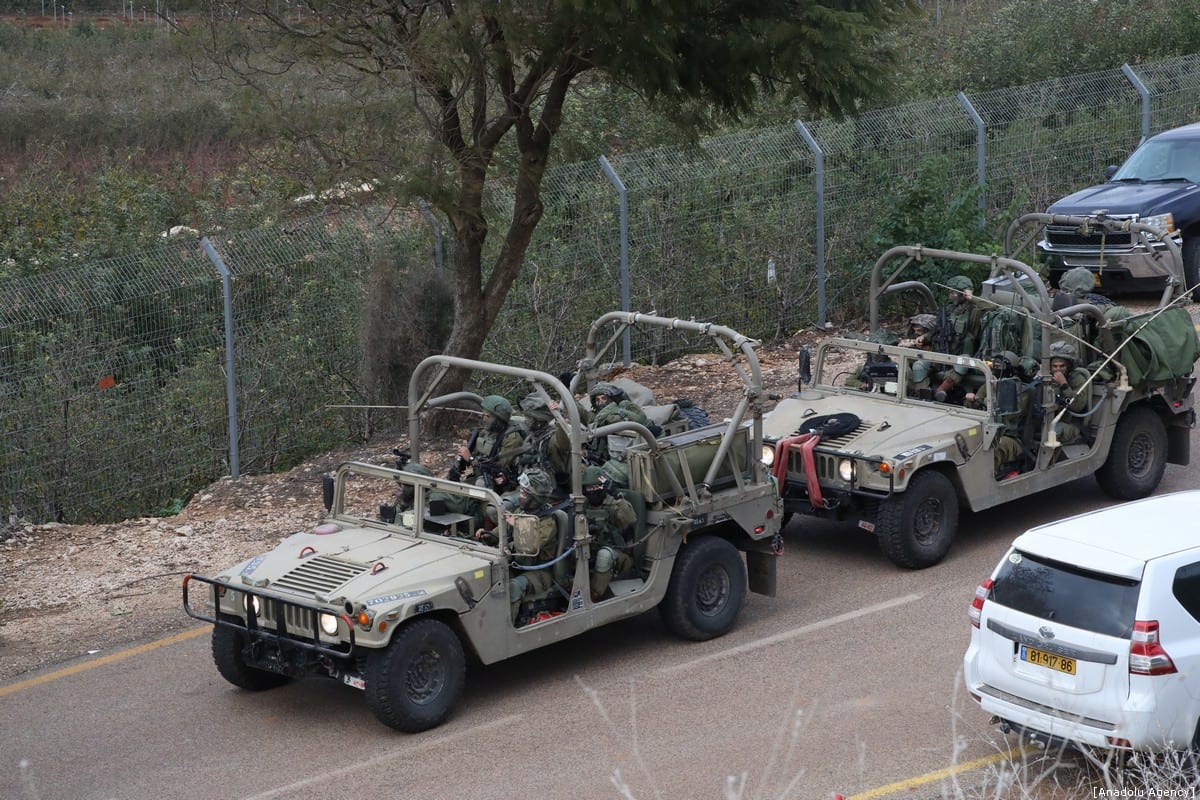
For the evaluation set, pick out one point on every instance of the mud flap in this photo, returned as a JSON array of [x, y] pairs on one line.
[[760, 572]]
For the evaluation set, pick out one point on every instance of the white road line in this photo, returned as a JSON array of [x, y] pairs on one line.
[[792, 634], [400, 752]]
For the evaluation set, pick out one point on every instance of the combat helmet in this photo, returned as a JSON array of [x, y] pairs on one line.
[[1064, 350], [498, 407], [537, 484], [927, 321], [1078, 281], [534, 406], [961, 283], [603, 387]]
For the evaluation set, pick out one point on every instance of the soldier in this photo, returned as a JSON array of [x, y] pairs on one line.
[[548, 446], [534, 537], [959, 336], [610, 519], [1008, 453], [493, 449], [609, 405], [1070, 390], [922, 328]]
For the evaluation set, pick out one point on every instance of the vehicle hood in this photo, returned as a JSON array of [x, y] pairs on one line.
[[1143, 199], [360, 563], [887, 428]]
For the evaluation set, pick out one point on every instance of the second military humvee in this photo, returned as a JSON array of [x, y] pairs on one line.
[[395, 608], [900, 464]]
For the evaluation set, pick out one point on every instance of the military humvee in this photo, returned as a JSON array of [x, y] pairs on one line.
[[901, 464], [396, 608]]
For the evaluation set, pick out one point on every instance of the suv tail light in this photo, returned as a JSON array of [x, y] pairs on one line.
[[975, 612], [1146, 655]]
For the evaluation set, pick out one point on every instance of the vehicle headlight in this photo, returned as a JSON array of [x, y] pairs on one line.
[[329, 624], [1164, 221], [251, 601], [768, 454], [846, 469]]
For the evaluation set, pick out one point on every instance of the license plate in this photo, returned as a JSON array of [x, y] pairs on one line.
[[1048, 660]]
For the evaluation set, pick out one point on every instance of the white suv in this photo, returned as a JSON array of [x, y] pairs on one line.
[[1088, 630]]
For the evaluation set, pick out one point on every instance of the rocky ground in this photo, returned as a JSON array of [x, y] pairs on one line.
[[70, 591]]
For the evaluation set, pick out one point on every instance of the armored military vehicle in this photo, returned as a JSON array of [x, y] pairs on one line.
[[396, 608], [865, 438]]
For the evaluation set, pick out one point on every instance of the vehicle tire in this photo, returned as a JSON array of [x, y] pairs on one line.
[[706, 590], [1191, 265], [227, 646], [696, 417], [414, 683], [915, 528], [1138, 456]]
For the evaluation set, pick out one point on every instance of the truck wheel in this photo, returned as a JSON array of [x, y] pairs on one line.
[[1138, 456], [706, 590], [1191, 265], [414, 682], [227, 646], [915, 528]]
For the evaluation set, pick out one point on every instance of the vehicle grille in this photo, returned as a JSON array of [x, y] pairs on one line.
[[319, 575], [298, 620], [826, 464], [1069, 236]]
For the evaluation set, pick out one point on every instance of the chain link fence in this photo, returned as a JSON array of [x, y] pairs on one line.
[[114, 375]]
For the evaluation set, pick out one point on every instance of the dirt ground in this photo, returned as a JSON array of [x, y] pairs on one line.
[[74, 591]]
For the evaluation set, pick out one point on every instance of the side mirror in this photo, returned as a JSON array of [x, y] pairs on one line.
[[1109, 171], [328, 482]]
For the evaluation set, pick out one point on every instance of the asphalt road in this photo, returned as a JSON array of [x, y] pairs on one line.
[[846, 682]]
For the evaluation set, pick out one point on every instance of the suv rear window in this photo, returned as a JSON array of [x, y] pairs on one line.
[[1066, 594]]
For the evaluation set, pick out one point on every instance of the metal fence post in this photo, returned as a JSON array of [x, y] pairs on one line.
[[980, 152], [819, 157], [230, 381], [623, 199], [1145, 95]]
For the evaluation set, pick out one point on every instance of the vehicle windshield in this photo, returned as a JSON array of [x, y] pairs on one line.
[[1066, 594], [1166, 160]]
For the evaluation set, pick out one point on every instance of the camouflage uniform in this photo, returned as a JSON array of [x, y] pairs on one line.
[[549, 446], [535, 538], [922, 328], [497, 446], [1008, 451], [1072, 393], [610, 405], [961, 334], [609, 520]]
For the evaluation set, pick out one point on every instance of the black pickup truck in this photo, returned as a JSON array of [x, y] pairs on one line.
[[1158, 185]]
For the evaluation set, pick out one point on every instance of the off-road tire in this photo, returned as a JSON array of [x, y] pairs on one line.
[[1138, 456], [414, 683], [706, 590], [916, 528], [227, 646], [1191, 265]]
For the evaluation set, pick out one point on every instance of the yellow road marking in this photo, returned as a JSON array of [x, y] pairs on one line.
[[111, 658], [909, 784]]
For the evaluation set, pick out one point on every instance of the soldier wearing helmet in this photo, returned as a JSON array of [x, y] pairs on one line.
[[921, 330], [610, 519], [877, 367], [404, 495], [534, 538], [492, 450], [958, 336], [1070, 382], [611, 405], [1008, 451], [548, 446]]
